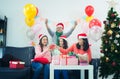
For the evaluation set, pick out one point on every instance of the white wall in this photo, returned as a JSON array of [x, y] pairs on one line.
[[54, 10]]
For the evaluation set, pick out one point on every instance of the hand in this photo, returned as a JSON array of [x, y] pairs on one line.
[[75, 24], [46, 21]]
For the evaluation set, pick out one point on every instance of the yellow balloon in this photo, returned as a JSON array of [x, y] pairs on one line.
[[88, 19], [30, 21], [30, 11]]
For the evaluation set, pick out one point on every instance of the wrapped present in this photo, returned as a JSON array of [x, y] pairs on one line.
[[83, 62], [72, 60], [56, 59], [16, 64], [63, 59]]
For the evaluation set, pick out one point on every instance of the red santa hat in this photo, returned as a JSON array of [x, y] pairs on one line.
[[62, 25], [41, 35], [82, 35], [63, 37]]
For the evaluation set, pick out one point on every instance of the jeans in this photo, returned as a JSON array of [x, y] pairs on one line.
[[95, 63], [37, 68], [64, 73]]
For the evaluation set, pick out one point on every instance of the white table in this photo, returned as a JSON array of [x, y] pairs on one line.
[[72, 67]]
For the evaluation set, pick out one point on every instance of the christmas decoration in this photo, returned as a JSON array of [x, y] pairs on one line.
[[113, 64], [110, 32], [110, 61], [112, 3], [107, 59]]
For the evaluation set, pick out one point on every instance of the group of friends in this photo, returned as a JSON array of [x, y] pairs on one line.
[[59, 39]]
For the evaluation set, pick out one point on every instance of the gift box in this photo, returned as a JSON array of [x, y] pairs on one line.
[[56, 60], [72, 60], [63, 60], [16, 64], [83, 62]]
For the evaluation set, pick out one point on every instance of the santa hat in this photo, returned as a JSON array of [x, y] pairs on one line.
[[63, 37], [62, 25], [41, 35], [82, 35]]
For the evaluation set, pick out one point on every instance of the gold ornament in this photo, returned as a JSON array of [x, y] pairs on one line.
[[107, 59], [113, 25], [110, 32]]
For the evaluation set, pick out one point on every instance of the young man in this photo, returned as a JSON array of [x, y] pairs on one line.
[[59, 31]]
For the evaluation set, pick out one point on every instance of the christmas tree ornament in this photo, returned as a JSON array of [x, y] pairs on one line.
[[115, 41], [116, 51], [117, 36], [112, 47], [113, 64], [102, 54], [106, 41], [107, 59], [101, 51], [118, 44], [110, 38], [106, 49], [104, 22], [113, 25], [110, 32], [112, 15]]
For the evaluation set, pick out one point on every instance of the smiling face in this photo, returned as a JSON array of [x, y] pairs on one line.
[[61, 42], [80, 41], [59, 28], [44, 41]]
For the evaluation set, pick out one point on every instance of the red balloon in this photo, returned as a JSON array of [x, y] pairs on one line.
[[37, 11], [94, 22], [89, 10]]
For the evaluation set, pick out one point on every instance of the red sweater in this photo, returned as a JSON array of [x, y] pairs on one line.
[[74, 49]]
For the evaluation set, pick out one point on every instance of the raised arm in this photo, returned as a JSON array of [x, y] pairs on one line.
[[49, 30], [71, 30]]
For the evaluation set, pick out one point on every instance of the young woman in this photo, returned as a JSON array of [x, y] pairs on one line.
[[63, 44], [81, 48], [59, 31], [41, 51]]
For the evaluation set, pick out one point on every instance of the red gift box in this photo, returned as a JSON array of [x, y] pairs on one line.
[[16, 64]]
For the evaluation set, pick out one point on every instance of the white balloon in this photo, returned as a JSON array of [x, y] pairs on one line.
[[36, 27], [95, 33], [30, 34]]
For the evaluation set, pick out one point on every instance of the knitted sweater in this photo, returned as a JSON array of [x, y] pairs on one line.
[[45, 53], [74, 49]]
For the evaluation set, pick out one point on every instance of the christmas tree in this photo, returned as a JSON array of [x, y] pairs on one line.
[[110, 48]]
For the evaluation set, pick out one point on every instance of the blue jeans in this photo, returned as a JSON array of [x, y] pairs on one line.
[[95, 63], [64, 73], [37, 68]]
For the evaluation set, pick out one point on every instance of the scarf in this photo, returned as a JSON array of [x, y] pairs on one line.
[[58, 34]]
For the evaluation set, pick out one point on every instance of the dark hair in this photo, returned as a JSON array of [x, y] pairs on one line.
[[85, 44], [65, 44], [40, 43]]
